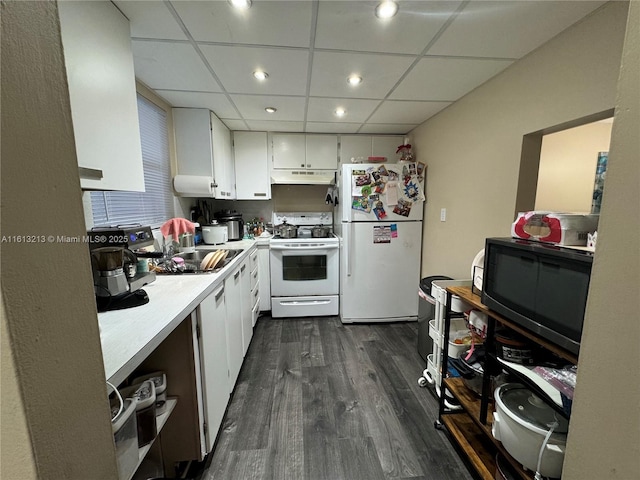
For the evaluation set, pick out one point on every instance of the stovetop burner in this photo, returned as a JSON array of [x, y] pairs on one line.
[[306, 221]]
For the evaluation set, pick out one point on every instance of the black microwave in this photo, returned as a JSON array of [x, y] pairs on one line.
[[541, 287]]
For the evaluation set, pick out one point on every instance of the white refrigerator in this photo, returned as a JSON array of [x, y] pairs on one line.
[[379, 222]]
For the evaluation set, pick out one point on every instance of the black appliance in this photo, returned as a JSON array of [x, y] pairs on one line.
[[233, 221], [117, 281], [539, 286]]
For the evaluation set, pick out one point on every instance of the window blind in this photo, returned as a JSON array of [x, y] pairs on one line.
[[154, 206]]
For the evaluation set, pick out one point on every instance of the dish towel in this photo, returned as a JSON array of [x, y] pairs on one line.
[[176, 227]]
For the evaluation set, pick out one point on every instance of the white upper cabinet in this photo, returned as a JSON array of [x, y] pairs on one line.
[[251, 166], [203, 148], [309, 152], [289, 151], [322, 152], [102, 91], [364, 146]]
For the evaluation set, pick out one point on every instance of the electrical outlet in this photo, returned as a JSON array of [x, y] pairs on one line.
[[443, 214]]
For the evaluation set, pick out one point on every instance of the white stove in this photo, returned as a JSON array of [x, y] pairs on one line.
[[304, 270]]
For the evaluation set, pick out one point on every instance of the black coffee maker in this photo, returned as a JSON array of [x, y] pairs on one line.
[[116, 279]]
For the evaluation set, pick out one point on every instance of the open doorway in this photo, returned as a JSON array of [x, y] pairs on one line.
[[558, 165], [568, 162]]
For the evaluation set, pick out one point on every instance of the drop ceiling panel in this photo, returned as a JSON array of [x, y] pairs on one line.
[[394, 128], [353, 26], [379, 73], [406, 112], [151, 20], [216, 102], [508, 29], [446, 79], [171, 66], [287, 69], [275, 126], [285, 23], [252, 107], [322, 109]]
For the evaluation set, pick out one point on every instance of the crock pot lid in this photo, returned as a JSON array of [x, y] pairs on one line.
[[527, 406]]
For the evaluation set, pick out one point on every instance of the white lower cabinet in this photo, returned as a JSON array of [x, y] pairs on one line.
[[213, 361], [264, 279], [233, 301], [246, 305]]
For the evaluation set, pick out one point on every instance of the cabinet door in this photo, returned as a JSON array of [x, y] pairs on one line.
[[102, 92], [222, 161], [263, 278], [322, 152], [246, 305], [386, 146], [289, 151], [194, 147], [233, 300], [213, 354], [354, 146], [251, 166]]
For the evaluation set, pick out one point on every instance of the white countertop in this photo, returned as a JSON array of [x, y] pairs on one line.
[[128, 336]]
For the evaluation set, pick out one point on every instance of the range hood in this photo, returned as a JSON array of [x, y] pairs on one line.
[[302, 177]]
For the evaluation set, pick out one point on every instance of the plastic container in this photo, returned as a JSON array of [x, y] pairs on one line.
[[125, 435], [426, 312], [144, 398], [159, 380]]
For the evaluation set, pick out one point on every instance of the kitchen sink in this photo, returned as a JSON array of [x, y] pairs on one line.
[[192, 260]]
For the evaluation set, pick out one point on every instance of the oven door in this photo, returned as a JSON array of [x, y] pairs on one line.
[[304, 269]]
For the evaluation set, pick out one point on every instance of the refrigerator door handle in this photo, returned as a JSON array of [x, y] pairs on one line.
[[347, 250]]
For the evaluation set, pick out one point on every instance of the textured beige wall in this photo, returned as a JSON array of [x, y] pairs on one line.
[[568, 167], [604, 437], [50, 326], [473, 148], [16, 458]]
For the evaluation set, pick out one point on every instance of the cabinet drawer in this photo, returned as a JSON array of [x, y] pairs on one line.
[[253, 259], [254, 277], [255, 295], [255, 312]]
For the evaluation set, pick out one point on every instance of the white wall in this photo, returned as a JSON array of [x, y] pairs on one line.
[[473, 147], [55, 412], [604, 436], [568, 166]]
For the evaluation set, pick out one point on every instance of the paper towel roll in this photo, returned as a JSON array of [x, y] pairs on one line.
[[193, 185]]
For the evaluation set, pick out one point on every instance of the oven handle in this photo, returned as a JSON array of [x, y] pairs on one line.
[[305, 302], [305, 247]]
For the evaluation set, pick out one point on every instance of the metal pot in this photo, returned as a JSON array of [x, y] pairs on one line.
[[233, 221], [286, 230], [320, 231]]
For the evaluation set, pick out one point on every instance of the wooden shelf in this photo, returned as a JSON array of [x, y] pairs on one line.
[[160, 421], [474, 300], [473, 443], [470, 404]]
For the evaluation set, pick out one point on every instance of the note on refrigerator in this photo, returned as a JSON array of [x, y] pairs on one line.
[[392, 193]]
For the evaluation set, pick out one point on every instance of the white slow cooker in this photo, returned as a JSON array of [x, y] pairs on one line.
[[522, 421], [214, 234]]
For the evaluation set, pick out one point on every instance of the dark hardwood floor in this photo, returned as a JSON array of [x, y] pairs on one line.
[[320, 400]]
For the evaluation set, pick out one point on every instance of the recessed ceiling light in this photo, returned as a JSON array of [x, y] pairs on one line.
[[271, 109], [386, 9], [340, 112], [354, 79], [260, 75], [240, 4]]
